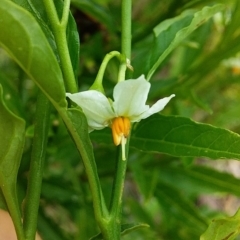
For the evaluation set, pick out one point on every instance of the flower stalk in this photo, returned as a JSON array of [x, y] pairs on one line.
[[97, 85]]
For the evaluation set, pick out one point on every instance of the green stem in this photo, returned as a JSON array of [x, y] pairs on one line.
[[126, 28], [97, 85], [59, 30], [118, 184], [41, 128], [71, 120], [113, 226], [126, 37]]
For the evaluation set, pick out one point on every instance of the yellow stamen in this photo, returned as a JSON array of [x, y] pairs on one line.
[[120, 131]]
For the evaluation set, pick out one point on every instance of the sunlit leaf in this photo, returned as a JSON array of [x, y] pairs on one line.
[[170, 33], [31, 50], [179, 136], [223, 229]]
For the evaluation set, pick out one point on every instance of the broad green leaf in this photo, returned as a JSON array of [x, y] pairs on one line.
[[36, 8], [12, 130], [170, 33], [199, 179], [179, 136], [223, 228], [11, 96], [25, 42], [125, 229]]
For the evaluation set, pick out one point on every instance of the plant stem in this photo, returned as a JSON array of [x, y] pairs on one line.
[[59, 30], [76, 123], [125, 38], [97, 85], [126, 28], [118, 186], [41, 128], [113, 226]]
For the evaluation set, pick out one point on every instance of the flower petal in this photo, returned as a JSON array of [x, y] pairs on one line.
[[130, 97], [95, 106], [157, 107]]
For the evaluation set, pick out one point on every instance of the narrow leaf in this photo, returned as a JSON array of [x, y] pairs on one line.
[[24, 40], [179, 136], [170, 33]]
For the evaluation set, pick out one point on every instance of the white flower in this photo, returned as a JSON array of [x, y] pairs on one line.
[[128, 106]]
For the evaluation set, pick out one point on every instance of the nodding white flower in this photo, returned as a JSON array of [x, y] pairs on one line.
[[129, 106]]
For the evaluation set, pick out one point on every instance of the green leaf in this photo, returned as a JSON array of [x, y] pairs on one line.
[[179, 136], [25, 42], [13, 130], [11, 95], [170, 33], [125, 229], [223, 228], [36, 8]]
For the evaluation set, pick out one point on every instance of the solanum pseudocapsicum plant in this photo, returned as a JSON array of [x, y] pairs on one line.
[[42, 38]]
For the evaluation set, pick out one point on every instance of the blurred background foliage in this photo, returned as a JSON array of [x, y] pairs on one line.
[[177, 197]]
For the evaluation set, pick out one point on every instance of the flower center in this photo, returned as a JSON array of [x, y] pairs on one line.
[[120, 131]]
